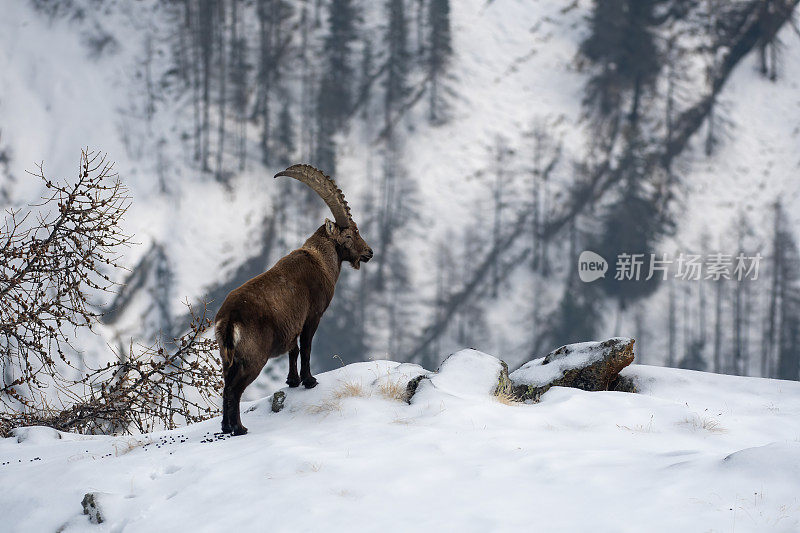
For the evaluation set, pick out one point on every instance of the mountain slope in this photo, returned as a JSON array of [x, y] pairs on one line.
[[691, 452], [515, 73]]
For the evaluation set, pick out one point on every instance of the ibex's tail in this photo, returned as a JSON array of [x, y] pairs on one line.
[[223, 329]]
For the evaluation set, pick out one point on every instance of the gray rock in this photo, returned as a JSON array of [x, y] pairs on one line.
[[623, 384], [504, 385], [466, 373], [277, 401], [92, 507], [411, 387], [104, 507], [590, 366]]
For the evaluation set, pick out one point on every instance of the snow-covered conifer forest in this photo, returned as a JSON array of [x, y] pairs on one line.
[[484, 147]]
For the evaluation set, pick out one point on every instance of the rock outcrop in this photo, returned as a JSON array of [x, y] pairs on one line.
[[466, 373], [590, 366], [91, 507], [277, 401]]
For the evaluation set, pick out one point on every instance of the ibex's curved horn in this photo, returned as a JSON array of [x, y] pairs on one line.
[[325, 187]]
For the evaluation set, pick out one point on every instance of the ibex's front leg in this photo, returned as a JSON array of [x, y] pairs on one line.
[[305, 352], [293, 379]]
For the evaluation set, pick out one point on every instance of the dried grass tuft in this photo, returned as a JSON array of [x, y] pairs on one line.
[[507, 398], [394, 390], [697, 422]]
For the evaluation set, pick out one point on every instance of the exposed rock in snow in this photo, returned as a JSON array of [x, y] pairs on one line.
[[411, 388], [465, 374], [91, 507], [505, 387], [402, 380], [277, 401], [100, 506], [590, 366]]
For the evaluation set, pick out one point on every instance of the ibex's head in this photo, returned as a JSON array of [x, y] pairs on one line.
[[343, 229]]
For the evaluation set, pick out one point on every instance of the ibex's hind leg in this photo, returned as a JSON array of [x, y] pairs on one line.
[[227, 397], [306, 336], [237, 378], [236, 420], [293, 379], [226, 410]]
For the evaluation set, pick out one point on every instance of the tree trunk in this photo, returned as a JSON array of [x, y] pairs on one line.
[[768, 348], [718, 328], [671, 325], [223, 80]]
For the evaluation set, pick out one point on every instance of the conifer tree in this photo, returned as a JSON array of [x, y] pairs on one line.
[[273, 54], [633, 225], [335, 94], [622, 44], [397, 59], [285, 136], [438, 53], [789, 308]]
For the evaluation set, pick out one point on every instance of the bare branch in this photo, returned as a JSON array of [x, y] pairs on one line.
[[52, 257]]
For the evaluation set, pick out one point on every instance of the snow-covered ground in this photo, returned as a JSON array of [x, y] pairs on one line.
[[691, 452]]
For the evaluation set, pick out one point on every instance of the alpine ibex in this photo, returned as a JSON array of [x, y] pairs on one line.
[[265, 317]]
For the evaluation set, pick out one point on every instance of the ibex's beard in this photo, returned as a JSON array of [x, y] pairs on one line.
[[356, 263], [363, 259]]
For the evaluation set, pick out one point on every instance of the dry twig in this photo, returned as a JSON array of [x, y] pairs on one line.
[[51, 259]]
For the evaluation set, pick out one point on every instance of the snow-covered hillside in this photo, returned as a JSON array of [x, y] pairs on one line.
[[477, 217], [59, 96], [691, 452], [102, 74]]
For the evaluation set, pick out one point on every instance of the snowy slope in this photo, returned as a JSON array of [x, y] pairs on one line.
[[732, 192], [757, 161], [692, 452], [514, 65], [57, 97]]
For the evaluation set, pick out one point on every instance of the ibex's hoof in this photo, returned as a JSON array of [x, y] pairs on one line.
[[310, 383], [241, 430], [293, 381]]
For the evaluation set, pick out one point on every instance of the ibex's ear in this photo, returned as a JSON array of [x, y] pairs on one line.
[[331, 228]]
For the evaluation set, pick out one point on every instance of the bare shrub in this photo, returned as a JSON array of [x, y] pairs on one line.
[[51, 259]]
